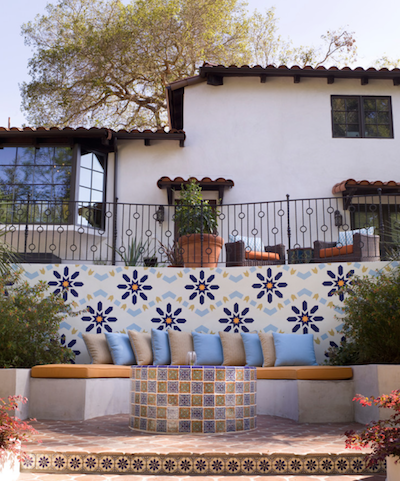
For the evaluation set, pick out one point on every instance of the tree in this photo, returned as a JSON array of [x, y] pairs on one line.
[[103, 63]]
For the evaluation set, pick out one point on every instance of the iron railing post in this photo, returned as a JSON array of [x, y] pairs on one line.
[[381, 223], [115, 233], [201, 233], [26, 224], [289, 233]]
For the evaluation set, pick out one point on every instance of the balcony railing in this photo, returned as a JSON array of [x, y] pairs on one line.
[[286, 231]]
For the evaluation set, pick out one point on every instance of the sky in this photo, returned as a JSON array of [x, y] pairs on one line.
[[375, 25]]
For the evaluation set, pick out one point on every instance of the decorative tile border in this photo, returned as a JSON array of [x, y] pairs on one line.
[[199, 464]]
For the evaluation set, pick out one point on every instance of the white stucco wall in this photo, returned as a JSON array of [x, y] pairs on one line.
[[271, 139]]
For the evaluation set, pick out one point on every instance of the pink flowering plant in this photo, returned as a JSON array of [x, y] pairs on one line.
[[13, 431], [382, 436]]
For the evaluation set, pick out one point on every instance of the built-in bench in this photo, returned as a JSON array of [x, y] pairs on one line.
[[84, 391]]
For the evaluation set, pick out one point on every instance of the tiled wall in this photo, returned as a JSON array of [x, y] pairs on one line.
[[289, 298]]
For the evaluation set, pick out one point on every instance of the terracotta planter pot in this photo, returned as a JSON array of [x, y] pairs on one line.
[[198, 252]]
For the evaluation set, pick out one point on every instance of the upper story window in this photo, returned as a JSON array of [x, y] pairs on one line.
[[43, 185], [362, 116], [42, 174]]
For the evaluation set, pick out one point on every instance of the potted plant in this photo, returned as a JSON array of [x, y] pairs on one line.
[[173, 254], [383, 436], [13, 432], [197, 223]]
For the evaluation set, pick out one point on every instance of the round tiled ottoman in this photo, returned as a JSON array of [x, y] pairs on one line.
[[193, 399]]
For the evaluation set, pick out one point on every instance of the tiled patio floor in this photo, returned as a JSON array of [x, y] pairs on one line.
[[105, 448]]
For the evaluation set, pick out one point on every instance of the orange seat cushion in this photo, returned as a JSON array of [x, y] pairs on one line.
[[261, 256], [80, 371], [336, 251], [306, 373]]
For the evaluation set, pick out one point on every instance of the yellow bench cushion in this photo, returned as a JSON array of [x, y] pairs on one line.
[[80, 371], [90, 371], [318, 373]]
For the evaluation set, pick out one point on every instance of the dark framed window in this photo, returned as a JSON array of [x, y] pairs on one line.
[[362, 117], [38, 185]]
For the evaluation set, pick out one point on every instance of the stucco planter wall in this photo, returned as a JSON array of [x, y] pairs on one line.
[[9, 467], [374, 380], [392, 469], [14, 382]]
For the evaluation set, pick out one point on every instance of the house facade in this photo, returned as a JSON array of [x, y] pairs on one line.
[[257, 139]]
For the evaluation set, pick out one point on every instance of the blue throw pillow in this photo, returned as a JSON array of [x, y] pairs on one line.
[[160, 347], [208, 349], [253, 349], [120, 348], [294, 349]]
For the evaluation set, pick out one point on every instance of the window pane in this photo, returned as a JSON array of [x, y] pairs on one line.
[[86, 160], [7, 175], [369, 104], [62, 175], [370, 117], [24, 174], [97, 196], [338, 104], [352, 118], [352, 104], [353, 130], [43, 175], [96, 164], [85, 178], [97, 181], [62, 192], [384, 131], [8, 155], [383, 118], [43, 192], [382, 104], [339, 117], [84, 194], [44, 156], [26, 155], [339, 130], [371, 131]]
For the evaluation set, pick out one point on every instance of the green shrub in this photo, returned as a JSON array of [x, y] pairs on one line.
[[371, 320], [29, 323]]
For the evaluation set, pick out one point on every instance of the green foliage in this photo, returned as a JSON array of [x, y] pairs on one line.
[[193, 214], [103, 63], [133, 255], [29, 323], [371, 320]]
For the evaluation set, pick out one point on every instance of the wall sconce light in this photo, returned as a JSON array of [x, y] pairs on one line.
[[159, 216], [338, 218]]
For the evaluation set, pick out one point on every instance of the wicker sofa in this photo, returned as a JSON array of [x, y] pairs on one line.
[[364, 248], [238, 254]]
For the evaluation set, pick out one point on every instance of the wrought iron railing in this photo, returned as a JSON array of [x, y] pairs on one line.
[[252, 233]]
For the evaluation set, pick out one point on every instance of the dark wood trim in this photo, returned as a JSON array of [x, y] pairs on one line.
[[205, 184], [296, 79], [330, 79], [215, 80], [364, 80]]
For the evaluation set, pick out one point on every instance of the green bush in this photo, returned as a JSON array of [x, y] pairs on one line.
[[371, 320], [29, 323]]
